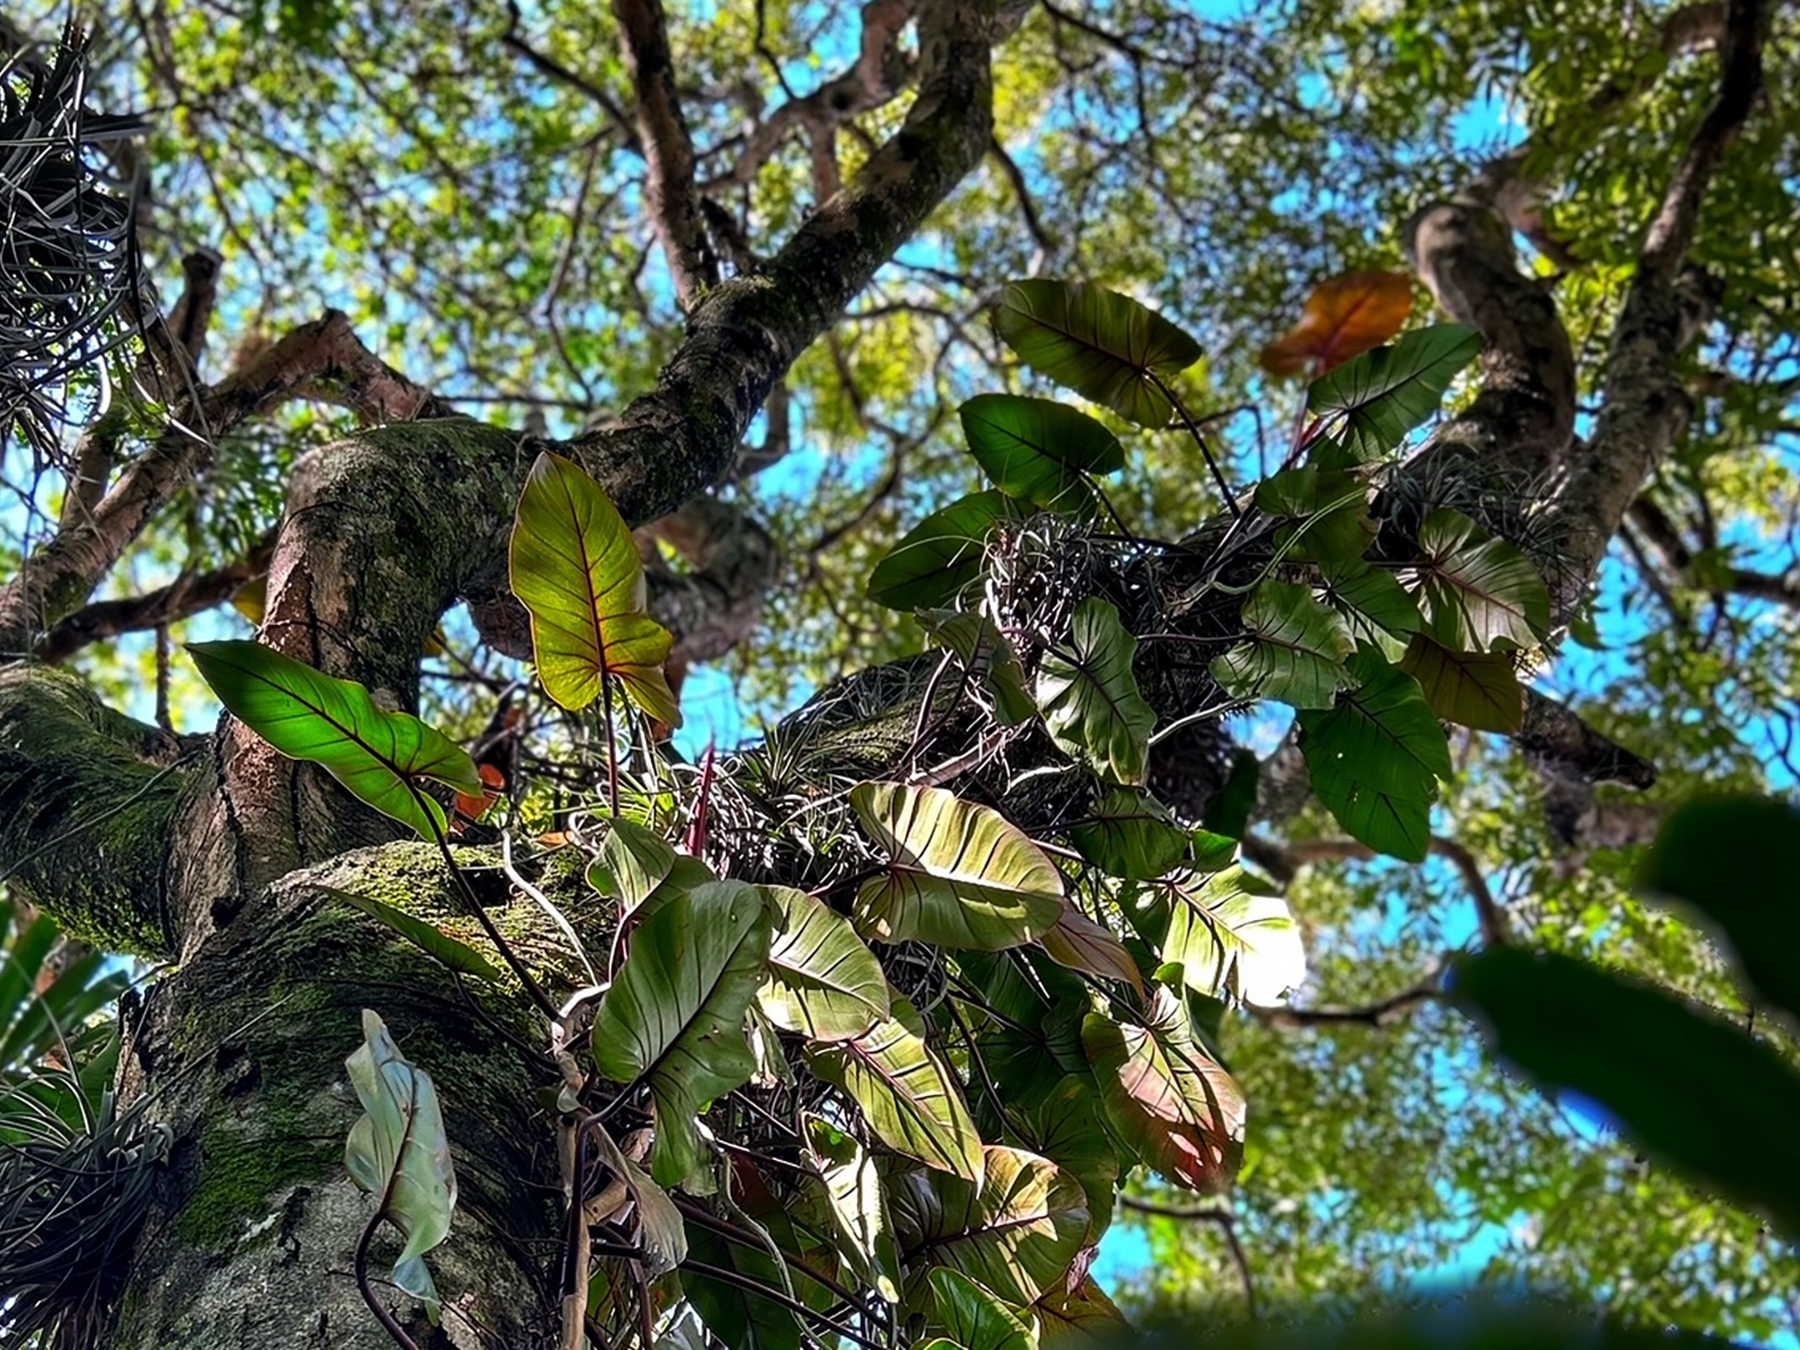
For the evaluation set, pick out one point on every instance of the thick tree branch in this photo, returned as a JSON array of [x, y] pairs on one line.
[[1375, 1016], [182, 598], [322, 360], [1645, 409], [673, 203], [714, 604]]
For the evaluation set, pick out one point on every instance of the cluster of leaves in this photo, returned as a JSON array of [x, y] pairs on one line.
[[956, 1139]]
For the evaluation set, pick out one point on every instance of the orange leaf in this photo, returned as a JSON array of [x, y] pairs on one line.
[[472, 808], [1344, 317]]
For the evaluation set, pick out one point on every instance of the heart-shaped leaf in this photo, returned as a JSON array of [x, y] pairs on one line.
[[1374, 759], [959, 874], [1232, 939], [674, 1017], [1383, 394], [1065, 1128], [575, 568], [1167, 1097], [1128, 833], [1097, 342], [1079, 943], [1039, 450], [1083, 1319], [398, 1152], [941, 554], [1477, 594], [631, 862], [906, 1091], [1016, 1233], [1344, 317], [1089, 695], [1376, 608], [379, 756], [823, 981], [1474, 689], [1295, 651]]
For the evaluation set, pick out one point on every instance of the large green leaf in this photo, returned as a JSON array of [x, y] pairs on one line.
[[1477, 592], [853, 1192], [674, 1017], [1686, 1084], [1385, 393], [1128, 833], [1474, 689], [941, 554], [631, 862], [986, 654], [1089, 695], [1333, 506], [1166, 1096], [1375, 758], [1295, 651], [1015, 1233], [1376, 608], [959, 874], [1736, 860], [823, 980], [906, 1091], [974, 1317], [1039, 450], [398, 1152], [575, 568], [1230, 937], [454, 954], [379, 756], [1097, 342]]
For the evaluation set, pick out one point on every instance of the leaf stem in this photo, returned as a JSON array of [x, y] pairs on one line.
[[382, 1315], [1193, 429]]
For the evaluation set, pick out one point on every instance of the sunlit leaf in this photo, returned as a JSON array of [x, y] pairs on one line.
[[1686, 1084], [1016, 1232], [1371, 402], [631, 862], [1376, 607], [1230, 937], [1477, 592], [941, 554], [1079, 943], [575, 568], [908, 1094], [398, 1152], [1089, 695], [1167, 1097], [823, 980], [1295, 649], [379, 756], [958, 875], [1376, 757], [673, 1019], [1039, 450], [1344, 317], [1474, 689], [1101, 344]]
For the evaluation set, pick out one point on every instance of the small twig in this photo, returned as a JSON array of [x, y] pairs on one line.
[[1215, 1214]]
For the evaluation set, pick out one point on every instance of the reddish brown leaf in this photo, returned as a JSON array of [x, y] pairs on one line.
[[1344, 317], [472, 808]]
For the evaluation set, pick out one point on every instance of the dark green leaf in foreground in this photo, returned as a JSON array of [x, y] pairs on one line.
[[1039, 450], [1686, 1085]]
